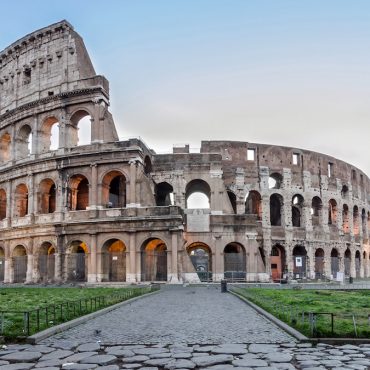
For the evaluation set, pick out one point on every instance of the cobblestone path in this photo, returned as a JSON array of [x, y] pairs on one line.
[[183, 315]]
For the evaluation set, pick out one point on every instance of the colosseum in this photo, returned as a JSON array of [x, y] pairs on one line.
[[115, 211]]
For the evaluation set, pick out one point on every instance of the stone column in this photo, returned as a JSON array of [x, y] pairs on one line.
[[132, 185], [131, 266], [91, 276], [7, 264], [31, 195], [94, 186], [173, 276]]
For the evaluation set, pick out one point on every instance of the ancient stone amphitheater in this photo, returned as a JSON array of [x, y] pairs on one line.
[[115, 210]]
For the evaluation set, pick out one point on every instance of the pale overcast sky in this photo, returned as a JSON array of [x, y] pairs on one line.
[[288, 72]]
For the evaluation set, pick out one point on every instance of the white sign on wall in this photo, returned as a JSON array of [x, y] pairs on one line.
[[298, 261]]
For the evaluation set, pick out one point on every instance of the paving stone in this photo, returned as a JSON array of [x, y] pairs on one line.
[[108, 367], [220, 367], [149, 351], [149, 368], [203, 349], [60, 353], [364, 362], [278, 357], [232, 349], [180, 364], [262, 348], [160, 355], [331, 363], [21, 366], [88, 347], [267, 368], [283, 366], [40, 348], [308, 364], [99, 359], [132, 366], [357, 355], [120, 352], [212, 360], [23, 356], [50, 363], [4, 362], [250, 362], [341, 368], [140, 358], [48, 368], [182, 355], [158, 361], [357, 367], [79, 356], [80, 366]]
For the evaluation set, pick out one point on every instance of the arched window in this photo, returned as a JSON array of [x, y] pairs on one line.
[[47, 200], [78, 193], [347, 262], [19, 264], [345, 217], [197, 194], [81, 125], [24, 142], [234, 262], [114, 260], [200, 256], [297, 206], [299, 262], [2, 204], [332, 214], [363, 221], [232, 199], [77, 266], [316, 211], [344, 192], [356, 221], [154, 260], [164, 194], [21, 201], [334, 259], [276, 206], [253, 204], [5, 142], [114, 190], [319, 263], [147, 165], [275, 181], [46, 262], [49, 135]]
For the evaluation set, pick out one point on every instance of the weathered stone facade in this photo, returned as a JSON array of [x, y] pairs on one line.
[[117, 211]]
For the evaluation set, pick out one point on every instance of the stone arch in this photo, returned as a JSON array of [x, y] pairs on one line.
[[278, 262], [80, 130], [235, 262], [78, 195], [198, 194], [276, 209], [363, 221], [46, 262], [47, 196], [316, 211], [2, 264], [275, 180], [19, 264], [232, 199], [21, 200], [358, 264], [113, 260], [356, 221], [201, 257], [49, 134], [333, 212], [148, 168], [319, 263], [347, 262], [253, 204], [365, 264], [24, 142], [344, 192], [154, 260], [3, 204], [345, 218], [297, 210], [5, 146], [300, 262], [334, 262], [76, 266], [114, 188], [164, 194]]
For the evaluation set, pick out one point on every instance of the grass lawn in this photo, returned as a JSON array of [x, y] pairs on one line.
[[350, 309], [25, 311]]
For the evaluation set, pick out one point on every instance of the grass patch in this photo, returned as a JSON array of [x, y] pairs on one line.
[[25, 311], [309, 311]]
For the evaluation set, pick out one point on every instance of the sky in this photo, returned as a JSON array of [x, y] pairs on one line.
[[283, 72]]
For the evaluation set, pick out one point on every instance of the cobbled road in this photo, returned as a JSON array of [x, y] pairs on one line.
[[183, 315]]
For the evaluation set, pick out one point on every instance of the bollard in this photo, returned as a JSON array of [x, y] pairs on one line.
[[223, 286]]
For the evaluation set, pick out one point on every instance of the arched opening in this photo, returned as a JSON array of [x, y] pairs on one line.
[[201, 258], [154, 260], [316, 211], [47, 196], [114, 190], [344, 192], [368, 221], [147, 165], [319, 263], [278, 263], [297, 207], [358, 264], [2, 204], [164, 194], [345, 218], [197, 194], [24, 142], [364, 261], [76, 266], [363, 222], [356, 221], [21, 201], [333, 211], [114, 260], [19, 262], [78, 193], [275, 181], [81, 121], [49, 135], [299, 262], [253, 204], [234, 262], [232, 199], [5, 142], [347, 262], [2, 264], [334, 259], [276, 208], [46, 262]]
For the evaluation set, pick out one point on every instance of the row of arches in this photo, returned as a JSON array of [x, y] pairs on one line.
[[300, 263], [47, 138]]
